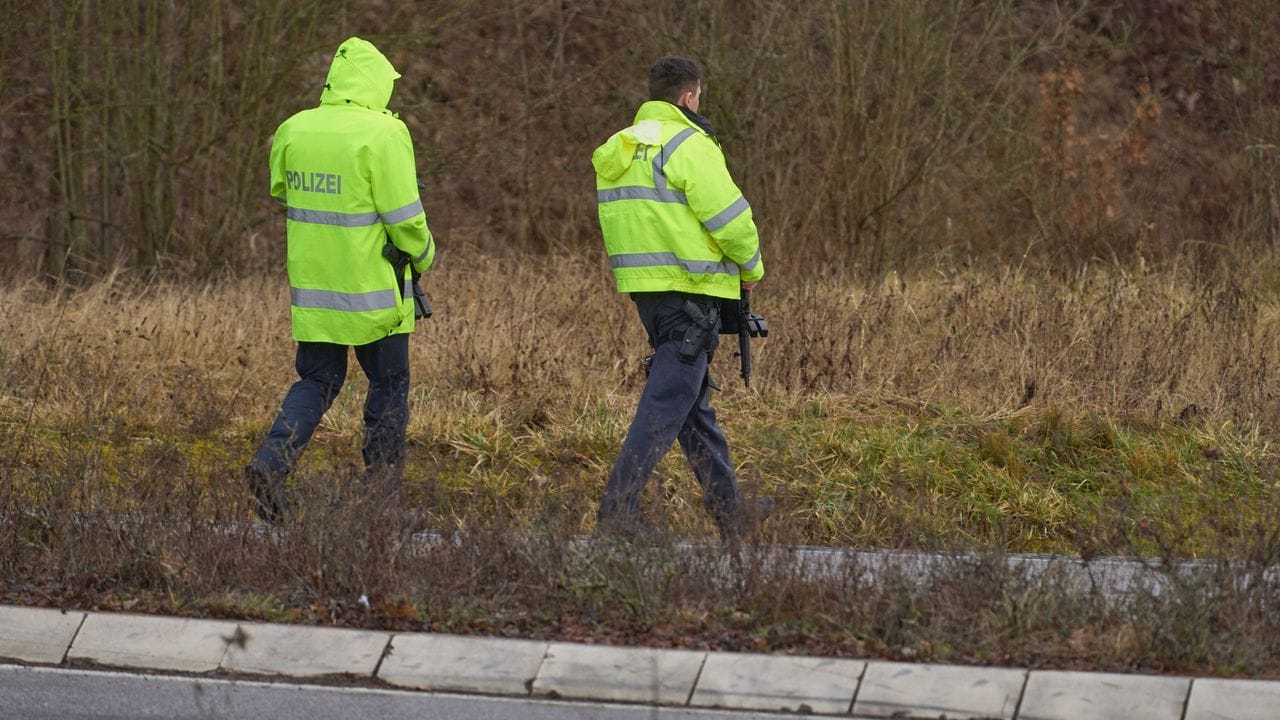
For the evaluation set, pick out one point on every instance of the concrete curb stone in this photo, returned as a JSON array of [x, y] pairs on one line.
[[788, 683], [37, 635], [620, 674], [912, 690], [155, 643], [826, 686], [301, 651], [1221, 699], [494, 666], [1065, 695]]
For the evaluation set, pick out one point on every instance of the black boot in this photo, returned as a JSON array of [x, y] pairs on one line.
[[268, 493], [383, 483], [627, 529], [746, 521]]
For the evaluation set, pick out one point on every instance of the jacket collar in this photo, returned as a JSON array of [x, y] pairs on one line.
[[702, 122], [663, 110]]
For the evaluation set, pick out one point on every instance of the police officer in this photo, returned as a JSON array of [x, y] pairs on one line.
[[345, 173], [680, 238]]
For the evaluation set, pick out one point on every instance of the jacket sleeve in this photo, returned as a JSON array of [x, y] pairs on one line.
[[394, 183], [278, 189], [700, 171]]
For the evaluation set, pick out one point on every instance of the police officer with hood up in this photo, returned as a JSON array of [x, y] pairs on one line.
[[345, 173]]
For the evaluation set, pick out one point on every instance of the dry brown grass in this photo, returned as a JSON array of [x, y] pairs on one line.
[[1015, 402], [1152, 344]]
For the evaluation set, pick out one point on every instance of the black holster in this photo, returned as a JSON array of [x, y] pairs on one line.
[[701, 334]]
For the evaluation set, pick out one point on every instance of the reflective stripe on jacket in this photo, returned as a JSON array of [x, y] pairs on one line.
[[671, 216], [345, 172]]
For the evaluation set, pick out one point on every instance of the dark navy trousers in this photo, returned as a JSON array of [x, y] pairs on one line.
[[675, 405], [322, 368]]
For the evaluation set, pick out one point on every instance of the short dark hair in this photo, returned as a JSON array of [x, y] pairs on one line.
[[672, 76]]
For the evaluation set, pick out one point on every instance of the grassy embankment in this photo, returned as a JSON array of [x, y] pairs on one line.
[[993, 411], [913, 428]]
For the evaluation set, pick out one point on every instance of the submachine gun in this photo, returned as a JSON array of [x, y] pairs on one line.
[[736, 318], [399, 260]]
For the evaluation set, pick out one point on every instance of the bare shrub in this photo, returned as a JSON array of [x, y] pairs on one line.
[[868, 136]]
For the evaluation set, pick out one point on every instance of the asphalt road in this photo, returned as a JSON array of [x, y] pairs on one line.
[[32, 693]]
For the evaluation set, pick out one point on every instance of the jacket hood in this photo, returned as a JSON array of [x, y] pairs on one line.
[[359, 74], [613, 158]]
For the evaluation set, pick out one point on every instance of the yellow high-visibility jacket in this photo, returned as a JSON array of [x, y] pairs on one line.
[[672, 218], [346, 174]]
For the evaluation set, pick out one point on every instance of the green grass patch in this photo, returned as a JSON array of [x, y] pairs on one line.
[[1043, 481]]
